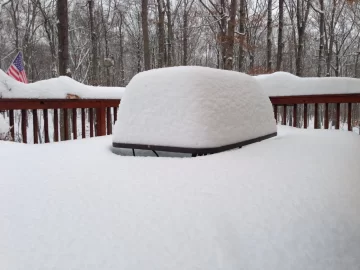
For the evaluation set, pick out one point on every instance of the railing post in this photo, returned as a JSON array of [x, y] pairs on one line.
[[349, 117], [305, 116], [284, 116], [276, 113], [23, 125], [337, 125], [326, 115], [295, 115], [101, 121], [12, 123], [316, 116], [108, 121]]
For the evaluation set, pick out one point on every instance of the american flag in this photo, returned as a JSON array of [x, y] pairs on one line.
[[16, 69]]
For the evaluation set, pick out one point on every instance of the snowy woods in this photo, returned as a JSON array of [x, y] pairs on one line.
[[106, 42]]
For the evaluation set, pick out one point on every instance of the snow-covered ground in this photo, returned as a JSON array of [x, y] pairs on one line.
[[287, 84], [55, 88], [290, 202]]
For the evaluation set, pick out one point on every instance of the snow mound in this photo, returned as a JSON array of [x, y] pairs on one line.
[[55, 88], [286, 84], [193, 107]]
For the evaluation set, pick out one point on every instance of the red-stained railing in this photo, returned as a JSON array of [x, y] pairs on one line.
[[45, 117], [95, 116]]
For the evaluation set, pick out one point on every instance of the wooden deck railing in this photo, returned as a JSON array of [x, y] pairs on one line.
[[319, 116], [96, 115]]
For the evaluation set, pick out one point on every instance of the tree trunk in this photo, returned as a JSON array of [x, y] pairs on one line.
[[331, 42], [138, 45], [299, 53], [121, 41], [222, 32], [230, 36], [337, 60], [93, 36], [302, 14], [280, 36], [242, 21], [105, 30], [356, 65], [185, 34], [145, 31], [170, 49], [269, 37], [161, 29], [63, 28], [322, 33]]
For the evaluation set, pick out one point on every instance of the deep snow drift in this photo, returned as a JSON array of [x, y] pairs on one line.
[[290, 202], [286, 84], [55, 88], [193, 107]]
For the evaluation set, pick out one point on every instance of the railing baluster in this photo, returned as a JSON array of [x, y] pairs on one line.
[[326, 116], [295, 115], [46, 125], [100, 121], [115, 114], [66, 124], [23, 125], [74, 123], [35, 126], [108, 121], [12, 125], [56, 125], [305, 116], [337, 116], [285, 115], [91, 122], [276, 113], [349, 117], [83, 131], [316, 118]]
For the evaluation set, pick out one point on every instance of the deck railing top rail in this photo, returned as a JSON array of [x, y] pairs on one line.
[[309, 99]]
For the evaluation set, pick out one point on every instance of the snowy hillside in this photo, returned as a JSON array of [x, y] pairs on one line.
[[55, 88], [291, 202], [286, 84]]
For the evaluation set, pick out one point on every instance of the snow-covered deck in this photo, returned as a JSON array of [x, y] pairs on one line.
[[290, 202]]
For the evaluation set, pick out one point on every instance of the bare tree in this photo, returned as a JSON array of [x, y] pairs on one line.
[[63, 37], [161, 29], [94, 57], [322, 37], [280, 36], [302, 15], [242, 34], [269, 37], [145, 32]]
